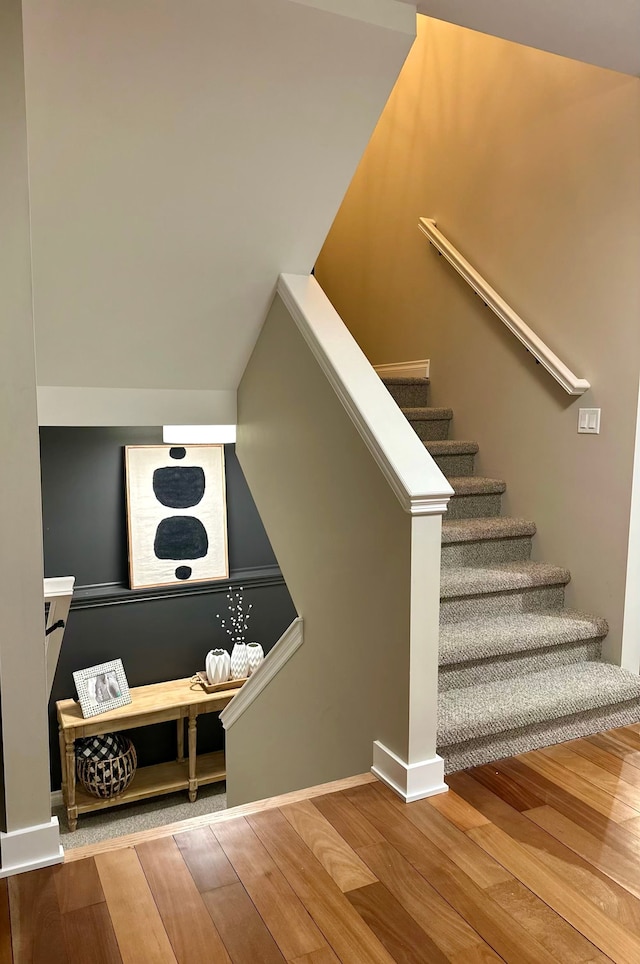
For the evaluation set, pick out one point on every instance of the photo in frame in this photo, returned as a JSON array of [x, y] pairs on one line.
[[102, 688], [176, 514]]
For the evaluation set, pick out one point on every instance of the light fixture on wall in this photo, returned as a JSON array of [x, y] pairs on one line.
[[198, 434]]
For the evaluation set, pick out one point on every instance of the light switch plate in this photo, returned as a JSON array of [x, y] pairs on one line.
[[589, 421]]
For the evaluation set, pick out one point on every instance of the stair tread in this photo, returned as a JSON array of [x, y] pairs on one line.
[[501, 577], [405, 380], [476, 485], [491, 708], [450, 446], [490, 527], [425, 413], [475, 639]]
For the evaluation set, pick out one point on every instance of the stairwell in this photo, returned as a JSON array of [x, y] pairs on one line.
[[517, 670]]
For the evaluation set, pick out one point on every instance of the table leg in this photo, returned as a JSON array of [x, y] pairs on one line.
[[63, 763], [193, 783], [180, 732], [72, 810]]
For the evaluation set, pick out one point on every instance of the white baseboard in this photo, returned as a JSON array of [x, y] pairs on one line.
[[408, 369], [30, 848], [56, 798], [411, 781]]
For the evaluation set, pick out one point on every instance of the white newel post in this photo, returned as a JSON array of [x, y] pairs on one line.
[[422, 773], [29, 837]]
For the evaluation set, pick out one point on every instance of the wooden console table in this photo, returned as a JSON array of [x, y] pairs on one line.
[[178, 700]]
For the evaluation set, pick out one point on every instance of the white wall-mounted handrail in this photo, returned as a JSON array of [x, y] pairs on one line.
[[548, 359], [57, 599], [290, 641]]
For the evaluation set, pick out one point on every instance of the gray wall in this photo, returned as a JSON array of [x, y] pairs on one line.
[[160, 634], [344, 544]]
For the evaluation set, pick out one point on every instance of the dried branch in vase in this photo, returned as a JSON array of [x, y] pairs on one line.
[[237, 622]]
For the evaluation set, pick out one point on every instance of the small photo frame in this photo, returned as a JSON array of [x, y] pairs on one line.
[[102, 688]]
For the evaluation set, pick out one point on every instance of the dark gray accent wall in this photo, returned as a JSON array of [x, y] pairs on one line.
[[159, 634]]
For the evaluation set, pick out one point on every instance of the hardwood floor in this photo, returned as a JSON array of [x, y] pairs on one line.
[[529, 860]]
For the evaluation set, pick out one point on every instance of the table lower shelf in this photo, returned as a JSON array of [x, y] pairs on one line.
[[157, 780]]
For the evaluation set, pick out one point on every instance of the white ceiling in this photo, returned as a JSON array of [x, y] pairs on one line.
[[182, 155], [601, 32]]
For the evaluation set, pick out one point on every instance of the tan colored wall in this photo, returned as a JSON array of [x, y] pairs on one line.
[[24, 780], [343, 543], [530, 164]]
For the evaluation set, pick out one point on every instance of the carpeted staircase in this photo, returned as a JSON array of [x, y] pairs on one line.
[[517, 670]]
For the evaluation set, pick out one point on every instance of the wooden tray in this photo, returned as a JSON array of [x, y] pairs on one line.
[[231, 684]]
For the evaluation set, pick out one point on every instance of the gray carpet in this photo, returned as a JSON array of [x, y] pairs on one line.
[[518, 671], [133, 817], [475, 530]]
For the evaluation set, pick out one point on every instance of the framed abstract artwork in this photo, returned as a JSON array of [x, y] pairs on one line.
[[176, 514]]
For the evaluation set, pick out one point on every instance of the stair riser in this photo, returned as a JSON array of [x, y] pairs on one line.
[[431, 429], [528, 600], [458, 675], [474, 506], [522, 740], [410, 396], [487, 551], [453, 465]]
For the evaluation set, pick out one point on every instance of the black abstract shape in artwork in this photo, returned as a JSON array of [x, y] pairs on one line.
[[179, 487], [177, 452], [181, 537], [183, 572]]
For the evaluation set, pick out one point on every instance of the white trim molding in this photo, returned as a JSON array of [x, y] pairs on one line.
[[290, 641], [30, 848], [411, 781], [630, 657], [407, 369], [414, 477], [548, 359]]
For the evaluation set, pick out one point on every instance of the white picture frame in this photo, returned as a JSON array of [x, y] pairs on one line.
[[176, 514], [102, 688]]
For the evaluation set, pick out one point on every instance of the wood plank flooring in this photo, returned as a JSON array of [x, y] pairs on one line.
[[531, 860]]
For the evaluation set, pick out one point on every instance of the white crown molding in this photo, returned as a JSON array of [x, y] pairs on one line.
[[414, 477], [290, 641], [60, 405], [541, 351], [411, 781], [408, 369], [30, 848]]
